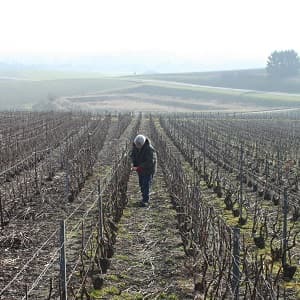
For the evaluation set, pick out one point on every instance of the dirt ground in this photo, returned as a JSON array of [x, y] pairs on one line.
[[146, 103], [35, 232], [149, 260]]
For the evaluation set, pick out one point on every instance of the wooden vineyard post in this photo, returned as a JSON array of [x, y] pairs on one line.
[[35, 172], [50, 162], [67, 180], [100, 211], [235, 284], [204, 150], [26, 292], [82, 236], [1, 212], [284, 233], [278, 167], [194, 170], [60, 156], [63, 273], [90, 154], [241, 182]]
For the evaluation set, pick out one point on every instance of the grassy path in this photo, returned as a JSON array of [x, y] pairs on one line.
[[149, 261]]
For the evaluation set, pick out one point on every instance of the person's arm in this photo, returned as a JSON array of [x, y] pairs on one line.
[[132, 155]]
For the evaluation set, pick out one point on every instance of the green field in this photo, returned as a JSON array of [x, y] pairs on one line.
[[162, 92], [255, 79], [28, 74], [27, 94], [222, 96]]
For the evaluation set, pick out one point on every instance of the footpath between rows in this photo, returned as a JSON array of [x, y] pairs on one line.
[[149, 261]]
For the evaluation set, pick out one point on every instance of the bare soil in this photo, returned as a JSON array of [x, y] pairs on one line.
[[149, 262]]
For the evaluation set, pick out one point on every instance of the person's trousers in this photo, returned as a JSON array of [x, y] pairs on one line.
[[145, 182]]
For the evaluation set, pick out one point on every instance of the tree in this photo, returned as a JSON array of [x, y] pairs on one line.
[[282, 64]]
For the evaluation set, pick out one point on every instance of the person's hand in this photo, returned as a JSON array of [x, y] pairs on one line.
[[138, 169]]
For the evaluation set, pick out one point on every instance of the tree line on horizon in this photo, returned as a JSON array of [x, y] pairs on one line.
[[283, 64]]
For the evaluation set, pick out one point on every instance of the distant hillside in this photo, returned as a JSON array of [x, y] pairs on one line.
[[244, 90], [166, 96], [255, 79], [26, 94]]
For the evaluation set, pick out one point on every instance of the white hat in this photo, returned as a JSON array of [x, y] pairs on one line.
[[139, 141]]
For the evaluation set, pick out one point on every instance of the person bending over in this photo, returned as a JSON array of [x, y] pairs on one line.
[[144, 158]]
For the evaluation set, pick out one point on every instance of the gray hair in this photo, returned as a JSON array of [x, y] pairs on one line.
[[139, 141]]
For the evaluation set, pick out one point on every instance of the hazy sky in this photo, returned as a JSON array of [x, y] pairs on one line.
[[210, 30]]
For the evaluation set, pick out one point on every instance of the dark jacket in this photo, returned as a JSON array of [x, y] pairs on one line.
[[145, 158]]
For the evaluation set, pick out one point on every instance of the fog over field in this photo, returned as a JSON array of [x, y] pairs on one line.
[[136, 52], [149, 149], [213, 34]]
